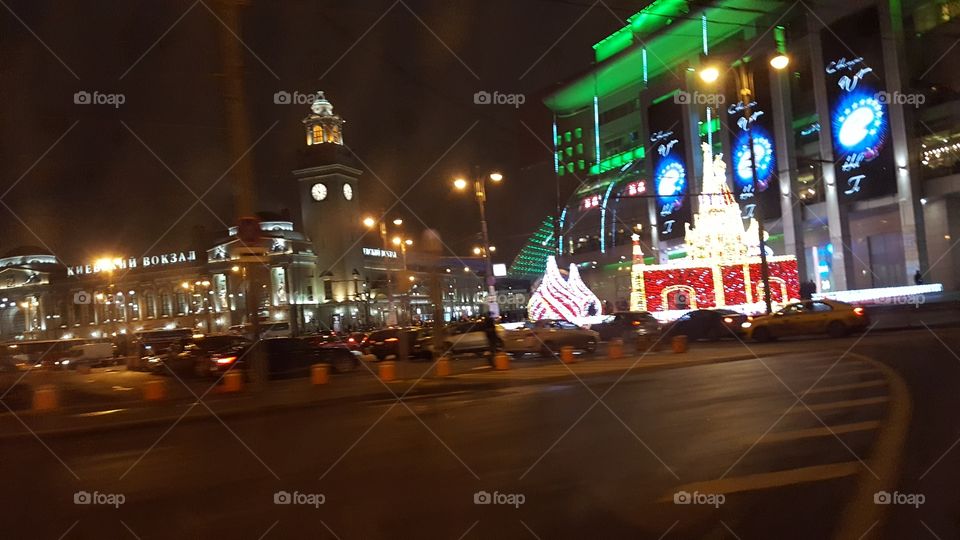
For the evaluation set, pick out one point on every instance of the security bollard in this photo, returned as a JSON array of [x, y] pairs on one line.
[[233, 381], [387, 371], [679, 344], [155, 390], [501, 362], [566, 354], [320, 374], [443, 366], [615, 350], [45, 398]]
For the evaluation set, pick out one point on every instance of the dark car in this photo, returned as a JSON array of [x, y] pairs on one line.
[[285, 357], [386, 342], [194, 358], [627, 325], [709, 324], [353, 342]]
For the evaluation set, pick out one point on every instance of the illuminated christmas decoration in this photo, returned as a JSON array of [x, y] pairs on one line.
[[723, 263], [532, 259], [562, 298]]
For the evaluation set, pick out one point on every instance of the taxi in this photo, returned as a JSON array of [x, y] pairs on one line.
[[831, 317]]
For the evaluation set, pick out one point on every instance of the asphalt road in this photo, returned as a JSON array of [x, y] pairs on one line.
[[757, 462]]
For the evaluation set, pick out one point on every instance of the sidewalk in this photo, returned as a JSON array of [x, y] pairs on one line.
[[413, 379]]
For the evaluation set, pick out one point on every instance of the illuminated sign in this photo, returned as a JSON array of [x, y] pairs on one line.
[[636, 188], [128, 263], [380, 253], [669, 169], [591, 202], [858, 114]]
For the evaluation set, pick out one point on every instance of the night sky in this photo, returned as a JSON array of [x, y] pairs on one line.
[[406, 99]]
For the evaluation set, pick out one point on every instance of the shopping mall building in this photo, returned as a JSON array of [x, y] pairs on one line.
[[331, 272], [856, 139]]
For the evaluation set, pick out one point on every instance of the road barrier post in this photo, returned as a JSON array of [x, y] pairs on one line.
[[679, 344], [45, 398], [615, 349], [154, 390], [320, 374], [233, 381], [501, 362], [387, 371], [566, 354], [443, 366]]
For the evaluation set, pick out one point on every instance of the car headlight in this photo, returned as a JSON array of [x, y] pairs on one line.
[[746, 325]]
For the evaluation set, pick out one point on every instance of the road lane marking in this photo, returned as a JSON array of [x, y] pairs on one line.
[[753, 482], [850, 386], [785, 436], [848, 404]]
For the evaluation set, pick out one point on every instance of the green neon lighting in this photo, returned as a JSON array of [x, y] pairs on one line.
[[780, 36], [710, 127], [654, 17]]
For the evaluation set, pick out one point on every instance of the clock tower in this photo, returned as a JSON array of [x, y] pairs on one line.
[[327, 176]]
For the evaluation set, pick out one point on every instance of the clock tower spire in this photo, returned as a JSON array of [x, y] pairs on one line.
[[322, 125]]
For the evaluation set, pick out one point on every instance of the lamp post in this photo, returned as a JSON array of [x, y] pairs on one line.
[[710, 74], [480, 191], [370, 223]]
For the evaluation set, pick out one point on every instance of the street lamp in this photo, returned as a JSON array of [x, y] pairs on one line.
[[480, 191], [745, 91], [370, 222]]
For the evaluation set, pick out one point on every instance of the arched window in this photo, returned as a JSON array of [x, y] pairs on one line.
[[317, 134]]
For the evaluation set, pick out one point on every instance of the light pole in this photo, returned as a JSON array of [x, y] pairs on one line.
[[710, 74], [480, 190], [370, 223]]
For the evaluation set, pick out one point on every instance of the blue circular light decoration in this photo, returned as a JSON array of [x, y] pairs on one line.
[[671, 182], [764, 154], [859, 124]]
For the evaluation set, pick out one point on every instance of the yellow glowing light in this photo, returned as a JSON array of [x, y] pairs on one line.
[[397, 240], [398, 222], [408, 242], [496, 177], [780, 61], [460, 184], [709, 74], [477, 251], [235, 269], [369, 222]]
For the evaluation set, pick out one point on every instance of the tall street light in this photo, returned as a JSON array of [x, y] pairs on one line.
[[371, 223], [709, 74], [480, 191]]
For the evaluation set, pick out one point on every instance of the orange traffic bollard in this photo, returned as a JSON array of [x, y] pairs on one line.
[[615, 350], [679, 344], [443, 366], [154, 390], [566, 354], [233, 381], [387, 371], [501, 362], [45, 398], [320, 374]]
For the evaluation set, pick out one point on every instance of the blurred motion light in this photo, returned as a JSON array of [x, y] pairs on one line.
[[780, 61], [709, 74]]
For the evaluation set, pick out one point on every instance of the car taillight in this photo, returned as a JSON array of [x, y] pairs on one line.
[[727, 320], [351, 340], [858, 310], [389, 339], [224, 360], [636, 323]]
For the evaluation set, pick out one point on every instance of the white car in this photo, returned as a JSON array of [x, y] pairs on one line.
[[467, 337], [548, 336]]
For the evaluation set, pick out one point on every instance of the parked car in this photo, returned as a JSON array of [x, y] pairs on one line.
[[808, 317], [386, 342], [267, 330], [194, 358], [91, 354], [285, 357], [548, 336], [467, 336], [627, 325], [153, 344], [353, 342], [709, 324]]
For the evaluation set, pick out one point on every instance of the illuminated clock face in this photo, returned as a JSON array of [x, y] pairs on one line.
[[318, 192], [347, 192]]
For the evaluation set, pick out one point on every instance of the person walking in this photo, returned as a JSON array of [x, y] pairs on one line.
[[918, 277], [489, 327]]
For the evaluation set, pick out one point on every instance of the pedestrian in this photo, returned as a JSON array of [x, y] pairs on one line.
[[489, 327], [918, 277]]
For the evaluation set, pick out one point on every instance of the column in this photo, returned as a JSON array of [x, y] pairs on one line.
[[837, 222], [908, 170], [791, 214]]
